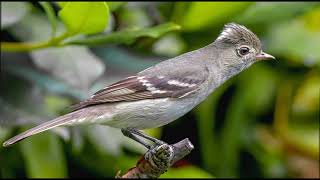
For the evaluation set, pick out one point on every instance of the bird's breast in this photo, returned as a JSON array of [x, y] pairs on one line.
[[149, 113]]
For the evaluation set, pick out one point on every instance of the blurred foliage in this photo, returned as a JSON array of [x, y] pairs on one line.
[[262, 123], [222, 12], [75, 16]]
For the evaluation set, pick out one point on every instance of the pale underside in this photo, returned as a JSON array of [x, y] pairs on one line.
[[143, 114]]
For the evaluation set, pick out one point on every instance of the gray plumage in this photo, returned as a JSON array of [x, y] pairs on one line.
[[164, 92]]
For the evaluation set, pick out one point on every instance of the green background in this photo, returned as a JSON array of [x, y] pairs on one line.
[[263, 122]]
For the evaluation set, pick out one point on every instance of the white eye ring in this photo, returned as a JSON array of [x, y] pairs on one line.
[[243, 50]]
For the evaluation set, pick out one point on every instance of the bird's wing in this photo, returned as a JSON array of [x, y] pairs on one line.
[[130, 89], [141, 87]]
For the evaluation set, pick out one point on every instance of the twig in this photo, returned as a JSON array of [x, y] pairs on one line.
[[28, 46], [157, 160]]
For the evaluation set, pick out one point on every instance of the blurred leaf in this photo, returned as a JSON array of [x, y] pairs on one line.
[[21, 103], [62, 4], [127, 36], [44, 157], [83, 67], [186, 172], [205, 113], [104, 165], [303, 167], [28, 107], [111, 24], [125, 59], [11, 165], [304, 138], [105, 139], [300, 137], [312, 19], [272, 12], [300, 45], [263, 83], [4, 133], [179, 10], [46, 82], [267, 150], [170, 45], [34, 27], [108, 140], [212, 13], [51, 16], [114, 5], [85, 17], [133, 18], [56, 104], [11, 115], [235, 125], [154, 132], [240, 113], [77, 140], [13, 12], [307, 96]]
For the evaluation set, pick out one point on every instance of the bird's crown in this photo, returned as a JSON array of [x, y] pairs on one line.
[[235, 34]]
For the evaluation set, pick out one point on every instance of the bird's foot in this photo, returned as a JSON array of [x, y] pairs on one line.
[[133, 133]]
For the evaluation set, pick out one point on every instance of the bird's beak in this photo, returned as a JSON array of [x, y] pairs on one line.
[[264, 56]]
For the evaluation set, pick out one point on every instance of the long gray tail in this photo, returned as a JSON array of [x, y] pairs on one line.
[[62, 120]]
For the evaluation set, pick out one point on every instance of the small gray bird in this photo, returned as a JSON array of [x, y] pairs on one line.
[[162, 93]]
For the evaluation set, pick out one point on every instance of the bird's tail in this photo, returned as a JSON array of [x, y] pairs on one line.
[[62, 120]]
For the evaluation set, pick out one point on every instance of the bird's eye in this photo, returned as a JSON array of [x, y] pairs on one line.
[[243, 51]]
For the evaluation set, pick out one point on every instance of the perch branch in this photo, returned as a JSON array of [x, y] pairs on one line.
[[157, 160]]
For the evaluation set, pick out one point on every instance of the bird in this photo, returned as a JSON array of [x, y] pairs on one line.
[[164, 92]]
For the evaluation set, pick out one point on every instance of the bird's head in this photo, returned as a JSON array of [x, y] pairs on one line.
[[239, 46]]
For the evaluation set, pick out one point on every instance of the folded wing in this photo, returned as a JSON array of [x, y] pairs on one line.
[[137, 87]]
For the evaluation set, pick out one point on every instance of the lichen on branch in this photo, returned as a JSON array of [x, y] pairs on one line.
[[157, 160]]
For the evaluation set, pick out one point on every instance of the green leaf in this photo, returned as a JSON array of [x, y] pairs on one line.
[[304, 137], [205, 113], [56, 104], [186, 172], [4, 133], [62, 4], [83, 67], [306, 100], [203, 14], [85, 17], [127, 36], [44, 158], [179, 10], [51, 16], [301, 45], [272, 12], [114, 5]]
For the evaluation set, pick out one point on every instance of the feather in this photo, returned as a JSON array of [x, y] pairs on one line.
[[237, 34], [40, 128], [136, 88]]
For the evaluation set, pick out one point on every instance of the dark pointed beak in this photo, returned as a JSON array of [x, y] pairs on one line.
[[264, 56]]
